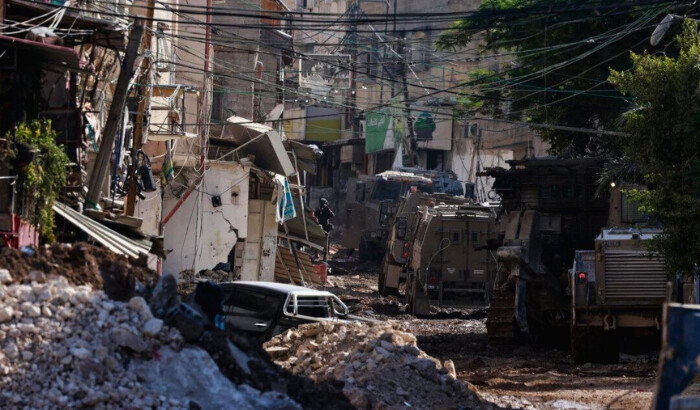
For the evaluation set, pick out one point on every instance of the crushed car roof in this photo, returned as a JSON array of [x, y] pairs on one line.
[[280, 287]]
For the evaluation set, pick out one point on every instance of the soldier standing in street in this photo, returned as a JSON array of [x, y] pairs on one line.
[[323, 215]]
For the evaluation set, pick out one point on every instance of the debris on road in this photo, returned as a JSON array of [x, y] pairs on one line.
[[380, 365], [64, 338], [70, 346]]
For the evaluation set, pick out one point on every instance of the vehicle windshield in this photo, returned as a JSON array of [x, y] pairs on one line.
[[394, 189], [386, 190]]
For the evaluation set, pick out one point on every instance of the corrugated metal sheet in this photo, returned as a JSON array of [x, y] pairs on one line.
[[633, 275], [112, 240]]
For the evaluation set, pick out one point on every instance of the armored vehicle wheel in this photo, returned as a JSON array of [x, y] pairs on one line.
[[420, 304], [381, 278], [500, 323]]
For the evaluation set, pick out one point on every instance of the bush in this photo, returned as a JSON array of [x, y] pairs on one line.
[[41, 181]]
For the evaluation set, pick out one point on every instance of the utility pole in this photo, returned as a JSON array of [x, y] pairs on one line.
[[204, 102], [355, 121], [412, 146], [144, 102], [116, 111]]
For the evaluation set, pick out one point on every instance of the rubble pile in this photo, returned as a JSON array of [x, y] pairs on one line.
[[241, 359], [82, 264], [66, 346], [380, 365]]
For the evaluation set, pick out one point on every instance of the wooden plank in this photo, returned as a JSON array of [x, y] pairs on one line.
[[284, 266]]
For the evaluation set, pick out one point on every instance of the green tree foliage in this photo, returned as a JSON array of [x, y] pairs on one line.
[[41, 181], [556, 57], [664, 143]]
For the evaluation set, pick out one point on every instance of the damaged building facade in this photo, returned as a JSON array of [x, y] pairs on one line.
[[180, 161], [206, 153]]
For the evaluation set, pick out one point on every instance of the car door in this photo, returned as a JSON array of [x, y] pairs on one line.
[[249, 310]]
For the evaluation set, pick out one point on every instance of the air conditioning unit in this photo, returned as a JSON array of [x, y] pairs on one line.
[[471, 130]]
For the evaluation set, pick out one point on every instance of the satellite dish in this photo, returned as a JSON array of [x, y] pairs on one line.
[[661, 30]]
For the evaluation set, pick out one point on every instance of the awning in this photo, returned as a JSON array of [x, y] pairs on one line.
[[45, 53], [275, 114], [306, 155], [112, 240], [260, 141]]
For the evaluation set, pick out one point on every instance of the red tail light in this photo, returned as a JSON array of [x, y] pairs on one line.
[[581, 277], [405, 255], [406, 245]]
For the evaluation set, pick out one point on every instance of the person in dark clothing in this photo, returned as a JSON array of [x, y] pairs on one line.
[[324, 214]]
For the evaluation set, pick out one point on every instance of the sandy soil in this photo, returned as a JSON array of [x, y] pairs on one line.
[[515, 376]]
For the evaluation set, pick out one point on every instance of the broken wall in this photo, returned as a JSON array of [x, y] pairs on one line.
[[257, 256], [200, 234]]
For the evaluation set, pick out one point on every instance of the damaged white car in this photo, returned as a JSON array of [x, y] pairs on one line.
[[266, 309]]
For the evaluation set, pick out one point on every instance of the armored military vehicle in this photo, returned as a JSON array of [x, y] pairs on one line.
[[401, 237], [372, 202], [619, 286], [449, 264]]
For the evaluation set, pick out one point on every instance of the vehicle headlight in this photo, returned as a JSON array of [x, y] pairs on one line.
[[373, 234]]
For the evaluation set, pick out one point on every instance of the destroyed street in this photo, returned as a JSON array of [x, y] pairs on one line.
[[350, 204]]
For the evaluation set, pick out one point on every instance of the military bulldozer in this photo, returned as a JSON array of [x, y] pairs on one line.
[[548, 210], [372, 202], [448, 263]]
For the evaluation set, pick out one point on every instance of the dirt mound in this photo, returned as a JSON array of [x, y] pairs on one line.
[[381, 366], [82, 264]]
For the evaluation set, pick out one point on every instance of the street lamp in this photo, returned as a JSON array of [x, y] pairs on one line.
[[663, 27]]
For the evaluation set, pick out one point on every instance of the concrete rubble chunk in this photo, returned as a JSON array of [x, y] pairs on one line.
[[450, 367], [125, 337], [81, 353], [191, 374], [6, 313], [152, 327], [138, 304], [164, 296], [36, 276], [31, 309], [5, 276]]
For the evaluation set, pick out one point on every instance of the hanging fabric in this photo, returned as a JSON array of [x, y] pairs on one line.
[[285, 203]]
